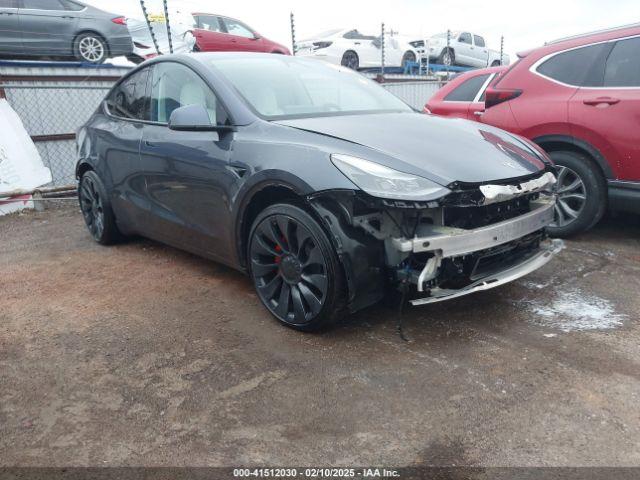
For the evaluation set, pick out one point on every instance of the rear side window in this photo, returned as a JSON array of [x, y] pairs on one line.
[[43, 5], [465, 38], [72, 6], [129, 99], [479, 41], [468, 90], [623, 65], [581, 67]]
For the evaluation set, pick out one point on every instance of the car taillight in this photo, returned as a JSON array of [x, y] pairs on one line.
[[120, 20], [319, 45], [496, 96]]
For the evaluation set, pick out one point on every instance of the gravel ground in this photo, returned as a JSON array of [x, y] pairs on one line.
[[143, 355]]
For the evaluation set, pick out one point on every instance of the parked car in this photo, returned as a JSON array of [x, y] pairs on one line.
[[61, 28], [463, 95], [352, 49], [464, 48], [579, 99], [144, 48], [215, 33], [314, 180]]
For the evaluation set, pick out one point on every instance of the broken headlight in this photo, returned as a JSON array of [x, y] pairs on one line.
[[384, 182]]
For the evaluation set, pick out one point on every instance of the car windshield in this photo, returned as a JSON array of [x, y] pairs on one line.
[[279, 87]]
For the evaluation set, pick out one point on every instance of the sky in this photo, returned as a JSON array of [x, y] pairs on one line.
[[524, 25]]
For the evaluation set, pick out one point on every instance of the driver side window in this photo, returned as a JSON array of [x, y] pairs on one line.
[[173, 86]]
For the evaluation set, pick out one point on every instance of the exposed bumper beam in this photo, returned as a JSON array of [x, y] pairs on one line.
[[495, 280], [453, 242]]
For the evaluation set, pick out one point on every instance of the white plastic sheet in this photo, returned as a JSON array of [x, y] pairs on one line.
[[21, 167]]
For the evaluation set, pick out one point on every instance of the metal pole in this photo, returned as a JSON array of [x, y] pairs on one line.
[[448, 49], [382, 52], [501, 49], [166, 19], [153, 35], [294, 47]]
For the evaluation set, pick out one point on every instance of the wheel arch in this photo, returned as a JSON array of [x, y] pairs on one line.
[[551, 143], [254, 201], [82, 168]]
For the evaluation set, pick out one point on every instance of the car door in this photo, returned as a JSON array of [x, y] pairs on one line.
[[48, 28], [211, 35], [481, 51], [10, 36], [461, 101], [607, 116], [186, 172], [464, 50], [118, 145], [241, 36]]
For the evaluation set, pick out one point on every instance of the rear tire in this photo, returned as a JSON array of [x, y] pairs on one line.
[[96, 209], [91, 48], [582, 194], [447, 57], [408, 56], [295, 269]]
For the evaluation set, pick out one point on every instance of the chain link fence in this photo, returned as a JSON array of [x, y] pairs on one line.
[[54, 101]]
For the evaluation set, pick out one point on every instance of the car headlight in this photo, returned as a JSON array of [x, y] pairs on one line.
[[380, 181]]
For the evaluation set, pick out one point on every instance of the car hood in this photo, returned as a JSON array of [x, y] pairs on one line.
[[441, 149]]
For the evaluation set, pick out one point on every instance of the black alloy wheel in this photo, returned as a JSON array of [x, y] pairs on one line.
[[96, 209], [294, 268]]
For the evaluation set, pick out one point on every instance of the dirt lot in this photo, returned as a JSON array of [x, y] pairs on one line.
[[143, 355]]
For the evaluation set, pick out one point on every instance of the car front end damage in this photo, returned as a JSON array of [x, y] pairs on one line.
[[474, 238]]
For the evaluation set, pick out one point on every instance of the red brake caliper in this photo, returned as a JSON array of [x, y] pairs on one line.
[[277, 257]]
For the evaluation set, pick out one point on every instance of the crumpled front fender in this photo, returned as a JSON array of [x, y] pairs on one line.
[[361, 255]]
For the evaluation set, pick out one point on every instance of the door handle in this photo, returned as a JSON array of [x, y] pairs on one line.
[[150, 144], [479, 113], [601, 100]]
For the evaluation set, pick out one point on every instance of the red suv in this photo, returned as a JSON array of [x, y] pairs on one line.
[[579, 99], [215, 33]]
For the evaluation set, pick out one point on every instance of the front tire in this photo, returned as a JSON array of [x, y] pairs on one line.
[[581, 194], [91, 48], [295, 269], [96, 209], [350, 60]]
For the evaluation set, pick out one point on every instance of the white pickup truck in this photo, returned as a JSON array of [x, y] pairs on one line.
[[464, 48]]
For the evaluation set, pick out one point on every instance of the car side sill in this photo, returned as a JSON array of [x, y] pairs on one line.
[[624, 196]]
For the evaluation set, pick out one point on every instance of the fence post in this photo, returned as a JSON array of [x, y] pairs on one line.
[[166, 19], [501, 49], [153, 35], [448, 49], [382, 52], [294, 47]]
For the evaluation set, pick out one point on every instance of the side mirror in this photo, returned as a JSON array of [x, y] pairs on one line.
[[256, 36], [191, 118]]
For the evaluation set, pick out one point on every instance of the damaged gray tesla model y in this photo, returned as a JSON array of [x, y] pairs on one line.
[[325, 188]]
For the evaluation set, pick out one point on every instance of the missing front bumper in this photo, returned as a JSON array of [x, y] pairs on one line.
[[453, 242], [540, 259]]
